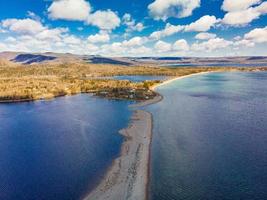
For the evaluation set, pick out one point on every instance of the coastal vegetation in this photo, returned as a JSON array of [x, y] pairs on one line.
[[44, 81]]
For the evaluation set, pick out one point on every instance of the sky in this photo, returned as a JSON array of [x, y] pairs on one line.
[[135, 27]]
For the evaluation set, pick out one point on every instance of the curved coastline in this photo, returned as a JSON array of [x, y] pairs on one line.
[[128, 176]]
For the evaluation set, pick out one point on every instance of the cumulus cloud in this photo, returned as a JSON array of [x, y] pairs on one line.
[[53, 35], [71, 39], [131, 24], [257, 35], [237, 5], [161, 46], [123, 49], [101, 37], [211, 45], [167, 31], [32, 36], [164, 9], [202, 24], [181, 45], [104, 20], [241, 17], [244, 42], [205, 36], [69, 10], [242, 12], [135, 41], [80, 10], [27, 26]]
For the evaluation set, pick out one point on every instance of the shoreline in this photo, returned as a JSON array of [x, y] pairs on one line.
[[128, 178], [178, 78], [129, 175]]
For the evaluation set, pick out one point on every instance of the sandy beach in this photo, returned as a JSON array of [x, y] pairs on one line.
[[128, 177], [176, 78]]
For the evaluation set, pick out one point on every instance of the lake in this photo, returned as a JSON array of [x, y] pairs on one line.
[[58, 149], [138, 78], [209, 138], [225, 64]]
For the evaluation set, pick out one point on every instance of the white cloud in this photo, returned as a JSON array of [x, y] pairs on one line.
[[141, 50], [33, 16], [211, 44], [10, 39], [24, 26], [119, 49], [131, 24], [205, 36], [91, 48], [161, 46], [54, 35], [69, 10], [135, 41], [101, 37], [167, 31], [71, 39], [262, 8], [244, 42], [257, 35], [202, 24], [237, 5], [163, 9], [104, 20], [181, 45], [242, 12], [241, 17]]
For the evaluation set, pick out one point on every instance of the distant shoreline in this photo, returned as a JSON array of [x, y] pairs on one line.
[[24, 89]]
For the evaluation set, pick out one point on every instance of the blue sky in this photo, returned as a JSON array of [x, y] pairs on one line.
[[134, 27]]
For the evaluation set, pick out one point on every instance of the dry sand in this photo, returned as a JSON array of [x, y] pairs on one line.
[[128, 177], [176, 78]]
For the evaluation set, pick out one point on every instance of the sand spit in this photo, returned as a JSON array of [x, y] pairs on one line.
[[127, 178]]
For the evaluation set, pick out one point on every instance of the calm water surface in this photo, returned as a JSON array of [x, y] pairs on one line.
[[218, 65], [137, 78], [210, 138], [59, 149]]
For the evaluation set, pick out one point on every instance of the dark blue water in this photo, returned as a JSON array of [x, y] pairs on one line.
[[137, 78], [210, 138], [218, 65], [59, 149]]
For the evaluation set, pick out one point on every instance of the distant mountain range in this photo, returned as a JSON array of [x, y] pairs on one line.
[[50, 57]]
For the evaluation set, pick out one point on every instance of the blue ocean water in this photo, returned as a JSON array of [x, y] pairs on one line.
[[210, 138], [58, 149]]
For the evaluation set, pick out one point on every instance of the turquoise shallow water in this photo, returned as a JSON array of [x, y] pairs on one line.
[[58, 149], [210, 138]]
